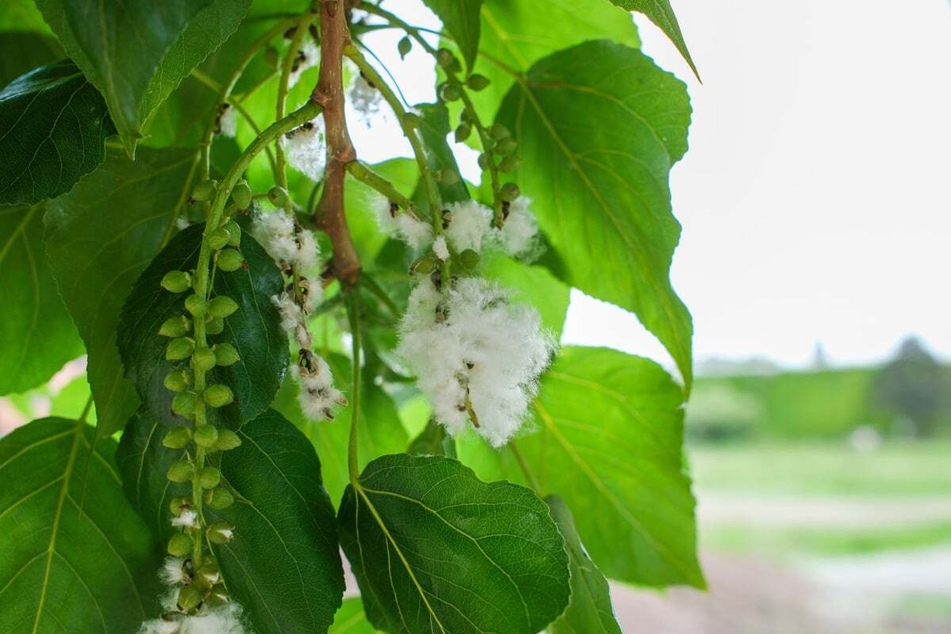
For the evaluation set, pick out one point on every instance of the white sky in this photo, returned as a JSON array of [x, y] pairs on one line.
[[815, 196]]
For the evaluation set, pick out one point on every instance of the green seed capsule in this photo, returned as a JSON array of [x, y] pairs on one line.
[[506, 146], [178, 505], [176, 281], [241, 195], [277, 196], [478, 82], [189, 598], [177, 381], [219, 499], [222, 306], [450, 92], [404, 46], [411, 120], [206, 436], [446, 59], [180, 545], [448, 177], [509, 163], [219, 395], [209, 477], [176, 326], [218, 238], [180, 348], [229, 260], [209, 573], [220, 532], [509, 192], [463, 132], [204, 190], [177, 438], [423, 266], [184, 404], [196, 305], [469, 259], [227, 440], [485, 162], [499, 131], [215, 325], [225, 354], [203, 359], [234, 231], [180, 471]]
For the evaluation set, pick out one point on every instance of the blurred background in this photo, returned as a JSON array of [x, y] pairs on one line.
[[815, 260]]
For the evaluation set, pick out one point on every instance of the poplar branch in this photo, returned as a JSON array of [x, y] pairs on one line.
[[330, 215]]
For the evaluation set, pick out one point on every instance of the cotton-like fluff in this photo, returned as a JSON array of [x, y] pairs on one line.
[[471, 341], [306, 149], [469, 223], [286, 241], [364, 98], [440, 248], [318, 397], [518, 236], [308, 56], [188, 519], [172, 572], [402, 225], [224, 619], [228, 120]]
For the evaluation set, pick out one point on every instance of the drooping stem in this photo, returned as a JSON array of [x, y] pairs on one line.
[[330, 215], [353, 312], [368, 177]]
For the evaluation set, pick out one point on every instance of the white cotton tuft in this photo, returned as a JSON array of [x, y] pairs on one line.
[[318, 397], [172, 573], [228, 120], [364, 98], [518, 236], [224, 619], [440, 248], [286, 241], [402, 225], [308, 56], [291, 314], [188, 519], [469, 222], [473, 341], [306, 149]]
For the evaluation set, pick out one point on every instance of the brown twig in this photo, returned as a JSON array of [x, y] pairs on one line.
[[329, 215]]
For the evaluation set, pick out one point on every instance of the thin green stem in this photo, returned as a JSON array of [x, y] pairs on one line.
[[525, 468], [353, 313], [367, 176], [86, 409], [283, 86], [410, 132]]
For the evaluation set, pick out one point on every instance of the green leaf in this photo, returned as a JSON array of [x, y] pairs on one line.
[[99, 237], [378, 425], [597, 149], [350, 619], [22, 15], [283, 565], [460, 18], [610, 432], [37, 335], [436, 550], [54, 126], [137, 53], [589, 611], [254, 330], [518, 34], [660, 13], [23, 51], [74, 556], [433, 127]]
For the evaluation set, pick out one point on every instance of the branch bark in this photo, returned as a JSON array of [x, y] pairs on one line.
[[330, 214]]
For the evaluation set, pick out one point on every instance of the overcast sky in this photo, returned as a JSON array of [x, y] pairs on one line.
[[816, 196]]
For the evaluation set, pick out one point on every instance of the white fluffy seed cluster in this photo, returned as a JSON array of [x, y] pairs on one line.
[[306, 149], [223, 619], [228, 121], [295, 249], [364, 98], [402, 225], [476, 356], [308, 56], [468, 225]]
